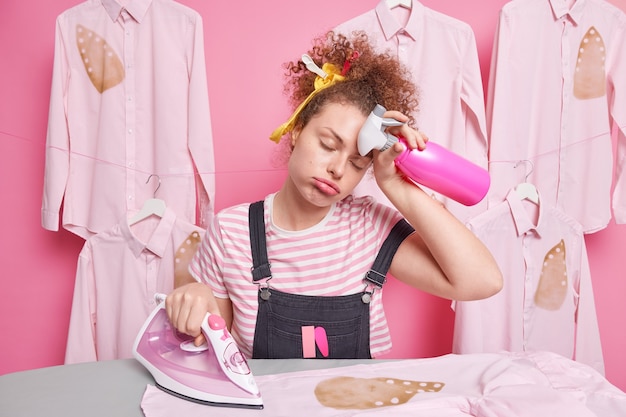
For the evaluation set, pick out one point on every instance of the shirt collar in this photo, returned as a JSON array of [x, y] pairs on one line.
[[390, 26], [522, 220], [560, 10], [136, 8], [159, 240]]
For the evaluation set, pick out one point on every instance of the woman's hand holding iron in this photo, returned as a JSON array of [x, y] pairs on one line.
[[187, 306]]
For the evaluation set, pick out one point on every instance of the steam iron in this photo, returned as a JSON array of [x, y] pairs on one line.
[[215, 373]]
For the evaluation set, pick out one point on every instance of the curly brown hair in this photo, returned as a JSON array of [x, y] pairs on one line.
[[373, 78]]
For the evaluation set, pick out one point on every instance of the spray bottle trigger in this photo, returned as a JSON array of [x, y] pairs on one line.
[[378, 112], [388, 121]]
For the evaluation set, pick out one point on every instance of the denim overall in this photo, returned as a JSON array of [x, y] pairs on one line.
[[282, 316]]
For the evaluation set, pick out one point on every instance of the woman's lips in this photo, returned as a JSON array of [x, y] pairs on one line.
[[326, 187]]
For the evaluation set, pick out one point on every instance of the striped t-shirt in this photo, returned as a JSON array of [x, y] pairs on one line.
[[328, 259]]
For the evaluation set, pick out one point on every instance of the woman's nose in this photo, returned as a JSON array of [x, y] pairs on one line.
[[337, 167]]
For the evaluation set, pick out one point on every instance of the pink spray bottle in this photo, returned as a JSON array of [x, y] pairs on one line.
[[434, 167]]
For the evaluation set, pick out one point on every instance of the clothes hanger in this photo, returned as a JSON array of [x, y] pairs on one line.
[[152, 206], [526, 190], [395, 3]]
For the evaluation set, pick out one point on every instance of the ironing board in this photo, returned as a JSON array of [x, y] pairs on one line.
[[107, 388], [116, 388]]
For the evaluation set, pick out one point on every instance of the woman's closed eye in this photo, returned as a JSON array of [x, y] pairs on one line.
[[359, 162], [328, 144]]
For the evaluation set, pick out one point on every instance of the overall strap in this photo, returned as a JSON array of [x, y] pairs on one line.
[[377, 274], [256, 221]]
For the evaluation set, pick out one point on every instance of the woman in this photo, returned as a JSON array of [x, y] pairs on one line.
[[318, 293]]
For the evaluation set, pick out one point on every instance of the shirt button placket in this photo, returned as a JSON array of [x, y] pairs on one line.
[[528, 288], [565, 99], [403, 46], [151, 275], [129, 108]]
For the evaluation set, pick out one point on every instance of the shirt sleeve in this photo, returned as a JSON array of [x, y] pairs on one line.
[[57, 160], [383, 217], [617, 108], [200, 135], [81, 340], [587, 345], [498, 111], [472, 95]]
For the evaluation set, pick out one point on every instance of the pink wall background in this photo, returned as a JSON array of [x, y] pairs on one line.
[[246, 44]]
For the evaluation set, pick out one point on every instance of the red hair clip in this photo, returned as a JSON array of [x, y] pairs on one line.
[[348, 63]]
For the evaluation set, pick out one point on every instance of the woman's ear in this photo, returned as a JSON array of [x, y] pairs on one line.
[[294, 135]]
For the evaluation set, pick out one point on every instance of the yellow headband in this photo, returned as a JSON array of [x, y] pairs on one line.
[[332, 76]]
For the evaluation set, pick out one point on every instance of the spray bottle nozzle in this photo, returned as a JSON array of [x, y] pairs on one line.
[[372, 135]]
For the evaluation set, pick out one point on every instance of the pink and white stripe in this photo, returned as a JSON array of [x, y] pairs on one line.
[[330, 258]]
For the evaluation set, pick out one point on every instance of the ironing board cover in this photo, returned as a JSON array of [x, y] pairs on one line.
[[488, 385]]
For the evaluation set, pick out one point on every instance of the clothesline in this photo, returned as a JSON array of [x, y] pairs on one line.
[[161, 176], [540, 155], [165, 175], [512, 161]]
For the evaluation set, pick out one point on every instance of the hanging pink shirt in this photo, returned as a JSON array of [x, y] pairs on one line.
[[557, 84], [547, 301], [119, 271], [441, 53], [129, 99]]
